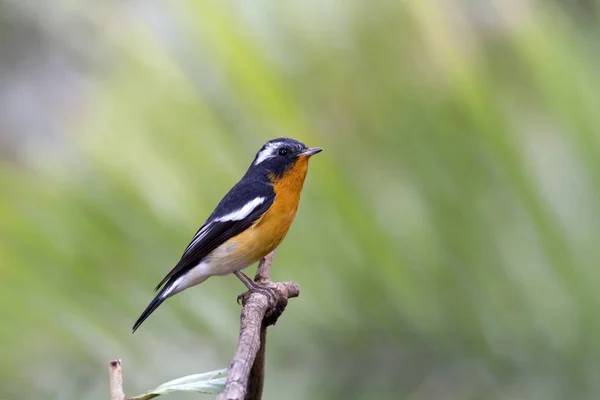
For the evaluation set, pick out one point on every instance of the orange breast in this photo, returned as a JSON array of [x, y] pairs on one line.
[[268, 232]]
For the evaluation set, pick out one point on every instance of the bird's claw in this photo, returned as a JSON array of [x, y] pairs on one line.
[[240, 298], [268, 292]]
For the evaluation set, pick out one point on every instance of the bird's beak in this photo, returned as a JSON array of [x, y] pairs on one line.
[[310, 152]]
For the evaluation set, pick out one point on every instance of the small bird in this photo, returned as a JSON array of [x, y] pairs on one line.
[[249, 222]]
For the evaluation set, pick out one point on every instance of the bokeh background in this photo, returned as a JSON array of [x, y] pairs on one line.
[[447, 242]]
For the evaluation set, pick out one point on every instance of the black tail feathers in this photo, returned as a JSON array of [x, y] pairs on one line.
[[157, 301]]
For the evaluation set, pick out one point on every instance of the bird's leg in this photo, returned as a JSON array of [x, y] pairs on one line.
[[254, 287], [246, 280]]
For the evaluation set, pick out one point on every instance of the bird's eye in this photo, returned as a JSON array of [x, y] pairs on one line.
[[283, 152]]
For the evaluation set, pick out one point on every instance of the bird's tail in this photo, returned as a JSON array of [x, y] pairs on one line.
[[164, 294]]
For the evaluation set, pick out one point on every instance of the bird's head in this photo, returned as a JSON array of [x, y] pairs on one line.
[[280, 155]]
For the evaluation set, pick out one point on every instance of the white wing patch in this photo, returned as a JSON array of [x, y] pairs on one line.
[[244, 211], [267, 152], [232, 216]]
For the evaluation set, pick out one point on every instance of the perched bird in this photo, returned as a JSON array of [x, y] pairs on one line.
[[249, 222]]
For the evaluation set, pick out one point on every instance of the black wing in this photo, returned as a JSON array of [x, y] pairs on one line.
[[215, 231]]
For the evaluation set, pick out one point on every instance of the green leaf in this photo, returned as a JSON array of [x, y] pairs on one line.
[[209, 382]]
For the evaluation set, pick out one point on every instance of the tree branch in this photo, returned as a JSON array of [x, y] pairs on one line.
[[263, 272], [116, 380], [257, 373], [245, 374]]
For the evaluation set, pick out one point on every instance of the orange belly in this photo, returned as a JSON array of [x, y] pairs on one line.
[[269, 230]]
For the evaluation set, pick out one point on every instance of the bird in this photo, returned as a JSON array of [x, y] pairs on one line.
[[248, 223]]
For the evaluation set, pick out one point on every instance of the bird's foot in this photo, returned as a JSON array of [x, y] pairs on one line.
[[269, 292]]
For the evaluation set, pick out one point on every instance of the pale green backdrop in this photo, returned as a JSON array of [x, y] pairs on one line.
[[447, 241]]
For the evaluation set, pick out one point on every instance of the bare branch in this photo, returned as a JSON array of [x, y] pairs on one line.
[[263, 272], [257, 373], [245, 374], [116, 380]]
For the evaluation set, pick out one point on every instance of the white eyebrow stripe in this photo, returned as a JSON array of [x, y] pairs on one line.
[[244, 211], [267, 152]]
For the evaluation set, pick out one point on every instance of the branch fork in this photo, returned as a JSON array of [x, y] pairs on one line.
[[245, 374], [246, 371]]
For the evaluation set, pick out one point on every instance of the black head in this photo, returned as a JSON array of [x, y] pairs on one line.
[[278, 155]]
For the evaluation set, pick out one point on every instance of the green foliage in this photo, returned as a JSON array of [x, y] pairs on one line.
[[446, 244]]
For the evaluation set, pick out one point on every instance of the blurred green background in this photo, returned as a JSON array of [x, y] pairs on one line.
[[446, 244]]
